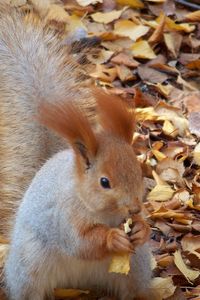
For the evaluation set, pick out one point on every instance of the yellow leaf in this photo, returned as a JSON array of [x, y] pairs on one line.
[[102, 57], [161, 193], [170, 43], [120, 264], [171, 24], [164, 287], [159, 155], [169, 129], [189, 274], [57, 13], [107, 17], [194, 16], [74, 22], [142, 49], [130, 29], [157, 1], [146, 114], [88, 2], [196, 154], [105, 74], [68, 293], [131, 3], [127, 228]]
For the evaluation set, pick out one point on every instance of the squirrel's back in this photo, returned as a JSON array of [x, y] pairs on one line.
[[34, 67]]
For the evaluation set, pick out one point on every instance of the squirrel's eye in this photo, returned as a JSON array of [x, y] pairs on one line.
[[105, 183]]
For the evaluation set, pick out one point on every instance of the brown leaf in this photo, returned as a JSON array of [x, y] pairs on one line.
[[158, 33], [151, 75], [125, 59]]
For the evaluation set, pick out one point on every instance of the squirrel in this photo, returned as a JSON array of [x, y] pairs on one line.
[[68, 225], [35, 67]]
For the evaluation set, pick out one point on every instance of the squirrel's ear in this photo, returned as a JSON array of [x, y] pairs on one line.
[[69, 121], [115, 115]]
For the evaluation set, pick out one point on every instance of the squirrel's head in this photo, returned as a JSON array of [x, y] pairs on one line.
[[109, 177]]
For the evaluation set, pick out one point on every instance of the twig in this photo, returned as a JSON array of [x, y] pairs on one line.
[[188, 4]]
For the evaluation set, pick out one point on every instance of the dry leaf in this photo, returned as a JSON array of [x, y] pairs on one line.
[[120, 264], [68, 293], [191, 243], [102, 57], [189, 274], [158, 33], [173, 42], [131, 3], [105, 74], [142, 49], [57, 13], [107, 17], [129, 29], [194, 16], [170, 170], [88, 2], [169, 129], [164, 287], [124, 59], [196, 154], [124, 73], [148, 74]]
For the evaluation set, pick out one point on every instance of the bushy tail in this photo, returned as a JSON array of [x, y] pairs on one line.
[[34, 67]]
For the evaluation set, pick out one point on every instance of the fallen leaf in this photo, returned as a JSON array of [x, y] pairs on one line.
[[120, 264], [57, 13], [131, 3], [129, 29], [194, 123], [142, 49], [196, 154], [194, 16], [161, 192], [173, 42], [191, 243], [107, 17], [68, 293], [124, 73], [169, 129], [102, 57], [124, 59], [164, 287], [148, 74], [189, 274], [88, 2], [158, 33], [104, 73]]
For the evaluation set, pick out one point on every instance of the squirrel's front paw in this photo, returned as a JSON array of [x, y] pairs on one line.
[[118, 241], [140, 232]]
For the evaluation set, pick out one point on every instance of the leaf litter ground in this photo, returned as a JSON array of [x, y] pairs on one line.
[[149, 54]]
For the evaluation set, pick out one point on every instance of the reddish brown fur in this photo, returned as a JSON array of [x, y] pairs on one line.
[[69, 121], [104, 241], [116, 116]]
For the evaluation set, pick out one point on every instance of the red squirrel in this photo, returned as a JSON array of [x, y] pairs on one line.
[[68, 225]]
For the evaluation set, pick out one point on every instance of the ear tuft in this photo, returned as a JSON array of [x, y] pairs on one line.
[[116, 116], [69, 121]]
